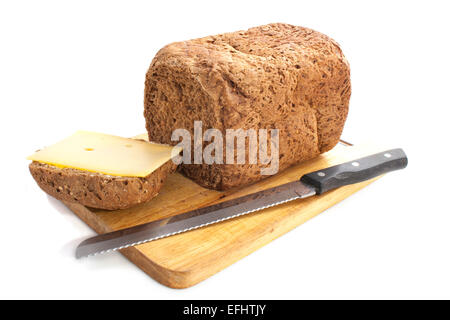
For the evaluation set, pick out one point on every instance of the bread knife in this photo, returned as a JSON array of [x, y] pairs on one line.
[[314, 183]]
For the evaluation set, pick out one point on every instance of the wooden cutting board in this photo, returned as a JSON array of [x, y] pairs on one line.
[[185, 259]]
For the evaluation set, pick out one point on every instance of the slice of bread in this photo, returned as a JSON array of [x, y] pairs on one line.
[[98, 190]]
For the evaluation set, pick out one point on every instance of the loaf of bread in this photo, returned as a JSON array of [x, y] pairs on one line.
[[98, 190], [275, 76]]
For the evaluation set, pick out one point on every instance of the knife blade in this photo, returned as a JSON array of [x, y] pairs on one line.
[[310, 184]]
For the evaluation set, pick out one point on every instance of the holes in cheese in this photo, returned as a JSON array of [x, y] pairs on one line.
[[106, 154]]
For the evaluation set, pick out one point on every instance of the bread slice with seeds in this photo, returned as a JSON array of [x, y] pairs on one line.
[[98, 190]]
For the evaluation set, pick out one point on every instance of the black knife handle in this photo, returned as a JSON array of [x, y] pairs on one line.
[[356, 171]]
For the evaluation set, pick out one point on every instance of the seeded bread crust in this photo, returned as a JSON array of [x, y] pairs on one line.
[[98, 190], [274, 76]]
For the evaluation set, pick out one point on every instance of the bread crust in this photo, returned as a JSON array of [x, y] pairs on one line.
[[275, 76], [98, 190]]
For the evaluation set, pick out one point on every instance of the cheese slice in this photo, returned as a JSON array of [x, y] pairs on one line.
[[107, 154]]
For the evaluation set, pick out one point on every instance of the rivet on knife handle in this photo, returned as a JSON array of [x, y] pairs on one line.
[[356, 171]]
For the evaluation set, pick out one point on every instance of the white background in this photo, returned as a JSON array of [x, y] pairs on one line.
[[75, 65]]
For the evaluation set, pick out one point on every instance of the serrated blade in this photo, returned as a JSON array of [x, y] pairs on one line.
[[194, 219]]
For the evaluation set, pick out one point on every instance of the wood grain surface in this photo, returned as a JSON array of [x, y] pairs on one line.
[[185, 259]]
